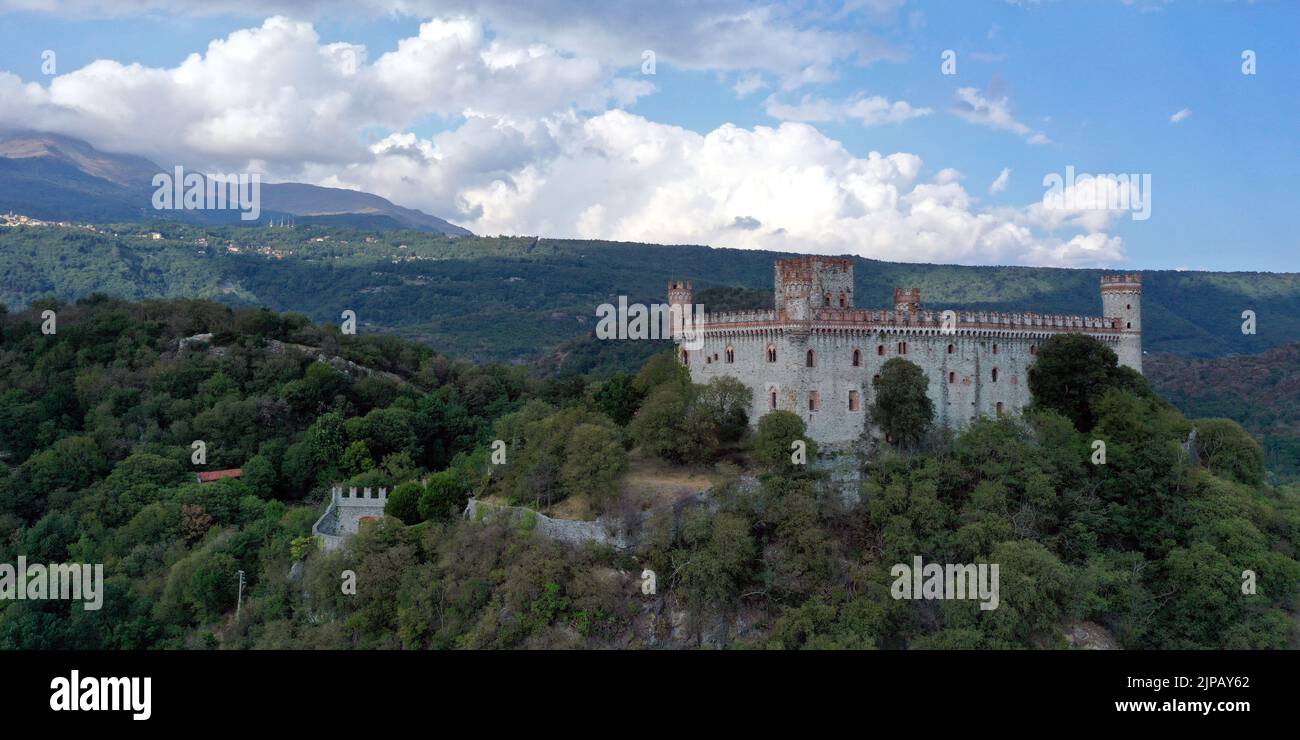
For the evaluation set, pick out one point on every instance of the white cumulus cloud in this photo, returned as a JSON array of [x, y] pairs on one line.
[[995, 113]]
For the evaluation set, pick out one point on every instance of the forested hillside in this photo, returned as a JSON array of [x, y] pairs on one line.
[[1260, 391], [514, 299], [97, 422]]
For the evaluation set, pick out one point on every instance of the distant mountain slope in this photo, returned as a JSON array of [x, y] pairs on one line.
[[53, 189], [311, 200], [60, 178], [126, 170], [1261, 391], [519, 298]]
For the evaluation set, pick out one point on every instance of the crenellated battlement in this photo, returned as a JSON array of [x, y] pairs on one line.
[[806, 266], [366, 496], [878, 319], [1127, 284]]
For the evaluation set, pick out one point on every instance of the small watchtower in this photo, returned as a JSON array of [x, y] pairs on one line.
[[1121, 300]]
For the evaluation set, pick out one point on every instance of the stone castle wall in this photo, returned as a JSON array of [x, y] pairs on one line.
[[569, 531], [961, 382], [978, 367]]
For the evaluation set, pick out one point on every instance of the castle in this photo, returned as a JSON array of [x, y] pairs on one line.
[[816, 354]]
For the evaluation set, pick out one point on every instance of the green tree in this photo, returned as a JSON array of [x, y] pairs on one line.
[[902, 408], [1228, 450], [260, 476], [593, 461], [659, 426], [1070, 374], [404, 502], [444, 496], [774, 442], [662, 369], [356, 459], [618, 398], [727, 402]]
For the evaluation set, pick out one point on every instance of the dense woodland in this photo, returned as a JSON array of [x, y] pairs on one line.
[[97, 421]]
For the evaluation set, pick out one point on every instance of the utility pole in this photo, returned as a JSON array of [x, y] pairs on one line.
[[240, 603]]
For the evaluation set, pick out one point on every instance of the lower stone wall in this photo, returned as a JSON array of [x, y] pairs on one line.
[[600, 532]]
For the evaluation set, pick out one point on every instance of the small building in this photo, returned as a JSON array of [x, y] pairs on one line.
[[207, 476], [346, 511]]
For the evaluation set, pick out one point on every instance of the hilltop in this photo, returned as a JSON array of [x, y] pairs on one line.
[[97, 422]]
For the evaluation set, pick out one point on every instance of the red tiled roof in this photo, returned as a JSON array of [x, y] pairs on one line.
[[211, 475]]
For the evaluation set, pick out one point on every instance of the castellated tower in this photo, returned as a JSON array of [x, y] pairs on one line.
[[907, 299], [804, 284], [1121, 299], [681, 296]]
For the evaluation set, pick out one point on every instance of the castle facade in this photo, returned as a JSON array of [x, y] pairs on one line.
[[816, 354]]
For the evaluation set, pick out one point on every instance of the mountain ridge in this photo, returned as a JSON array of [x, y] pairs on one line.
[[43, 175]]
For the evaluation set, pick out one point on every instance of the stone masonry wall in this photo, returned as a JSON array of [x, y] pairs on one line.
[[980, 368], [962, 385], [568, 531]]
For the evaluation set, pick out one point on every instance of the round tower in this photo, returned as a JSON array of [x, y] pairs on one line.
[[1121, 299], [681, 298]]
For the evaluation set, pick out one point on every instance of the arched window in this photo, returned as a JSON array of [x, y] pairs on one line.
[[1130, 325], [902, 348], [951, 349], [995, 375], [995, 349], [828, 299], [857, 358], [880, 349], [686, 357], [814, 401], [731, 354], [999, 408], [844, 303], [771, 353], [811, 359], [1129, 307], [772, 400], [1033, 349], [854, 403], [952, 377]]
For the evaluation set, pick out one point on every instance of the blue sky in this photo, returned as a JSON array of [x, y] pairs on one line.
[[1096, 82]]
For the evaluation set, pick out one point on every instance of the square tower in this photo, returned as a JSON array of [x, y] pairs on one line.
[[814, 282]]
